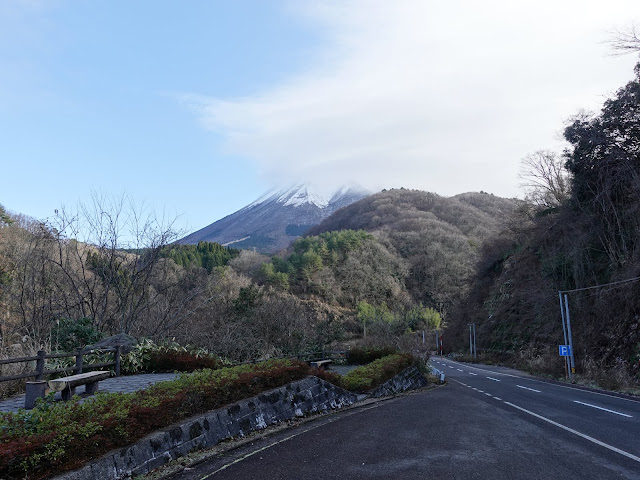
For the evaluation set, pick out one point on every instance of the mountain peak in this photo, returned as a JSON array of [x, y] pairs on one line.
[[278, 217], [307, 193]]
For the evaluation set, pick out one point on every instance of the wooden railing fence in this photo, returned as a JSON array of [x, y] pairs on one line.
[[80, 366]]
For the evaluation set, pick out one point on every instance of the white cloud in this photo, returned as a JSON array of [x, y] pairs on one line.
[[443, 96]]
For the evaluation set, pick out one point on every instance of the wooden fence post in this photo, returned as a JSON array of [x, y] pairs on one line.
[[40, 365], [79, 361], [117, 355]]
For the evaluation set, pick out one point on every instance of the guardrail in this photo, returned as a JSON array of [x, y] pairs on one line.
[[80, 366]]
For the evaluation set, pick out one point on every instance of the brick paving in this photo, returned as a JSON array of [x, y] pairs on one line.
[[124, 384]]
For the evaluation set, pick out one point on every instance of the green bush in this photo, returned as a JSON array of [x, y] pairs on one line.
[[148, 356], [362, 356], [376, 373], [55, 437], [68, 334]]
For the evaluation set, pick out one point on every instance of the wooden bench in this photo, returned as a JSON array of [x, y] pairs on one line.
[[67, 385], [321, 363]]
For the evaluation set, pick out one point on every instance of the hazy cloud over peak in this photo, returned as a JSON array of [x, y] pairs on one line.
[[442, 96]]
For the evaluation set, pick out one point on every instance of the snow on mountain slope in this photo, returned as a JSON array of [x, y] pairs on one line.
[[276, 218]]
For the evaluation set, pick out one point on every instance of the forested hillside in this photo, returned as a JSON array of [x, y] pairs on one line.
[[579, 229], [438, 237], [395, 264]]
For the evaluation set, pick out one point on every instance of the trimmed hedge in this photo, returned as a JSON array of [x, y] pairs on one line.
[[376, 373], [56, 437], [362, 356]]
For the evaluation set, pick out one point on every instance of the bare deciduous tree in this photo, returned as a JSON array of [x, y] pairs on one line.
[[545, 180], [625, 41]]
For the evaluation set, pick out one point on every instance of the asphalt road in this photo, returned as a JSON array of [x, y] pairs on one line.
[[487, 423]]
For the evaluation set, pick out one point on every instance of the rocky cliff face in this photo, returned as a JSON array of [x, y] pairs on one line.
[[274, 220]]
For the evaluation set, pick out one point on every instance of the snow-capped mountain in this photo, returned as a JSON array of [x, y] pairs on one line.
[[276, 218]]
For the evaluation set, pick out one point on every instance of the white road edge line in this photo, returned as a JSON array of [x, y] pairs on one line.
[[605, 409], [527, 388], [494, 379], [273, 444], [575, 432]]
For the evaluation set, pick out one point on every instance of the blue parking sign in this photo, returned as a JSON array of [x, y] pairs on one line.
[[564, 350]]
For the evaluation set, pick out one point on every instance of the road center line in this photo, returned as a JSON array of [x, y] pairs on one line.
[[494, 379], [458, 369], [529, 379], [605, 409], [497, 398], [575, 432], [471, 373], [527, 388]]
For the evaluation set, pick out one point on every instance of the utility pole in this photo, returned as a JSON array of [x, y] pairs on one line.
[[564, 331], [475, 346], [472, 340], [568, 319]]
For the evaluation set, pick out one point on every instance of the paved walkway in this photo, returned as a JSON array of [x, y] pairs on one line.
[[124, 384]]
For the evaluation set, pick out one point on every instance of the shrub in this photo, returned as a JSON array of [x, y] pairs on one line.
[[362, 356], [376, 373], [55, 437], [147, 356]]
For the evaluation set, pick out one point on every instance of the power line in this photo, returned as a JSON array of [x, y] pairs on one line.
[[600, 286]]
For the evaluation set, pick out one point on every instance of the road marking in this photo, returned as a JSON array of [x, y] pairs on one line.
[[605, 409], [471, 373], [481, 391], [459, 370], [488, 394], [313, 427], [497, 398], [474, 388], [530, 379], [494, 379], [575, 432], [527, 388], [449, 366]]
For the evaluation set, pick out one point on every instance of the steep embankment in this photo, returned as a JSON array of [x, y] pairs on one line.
[[584, 239]]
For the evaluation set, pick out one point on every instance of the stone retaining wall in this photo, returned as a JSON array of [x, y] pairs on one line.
[[310, 395], [408, 379]]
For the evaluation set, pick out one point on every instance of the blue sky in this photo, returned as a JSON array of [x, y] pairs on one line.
[[196, 108]]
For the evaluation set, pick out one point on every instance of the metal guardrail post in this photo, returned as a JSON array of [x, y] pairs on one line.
[[40, 365], [79, 361]]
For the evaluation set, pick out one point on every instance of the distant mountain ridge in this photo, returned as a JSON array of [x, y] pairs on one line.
[[277, 218]]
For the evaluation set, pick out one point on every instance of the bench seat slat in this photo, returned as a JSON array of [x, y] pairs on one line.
[[59, 384]]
